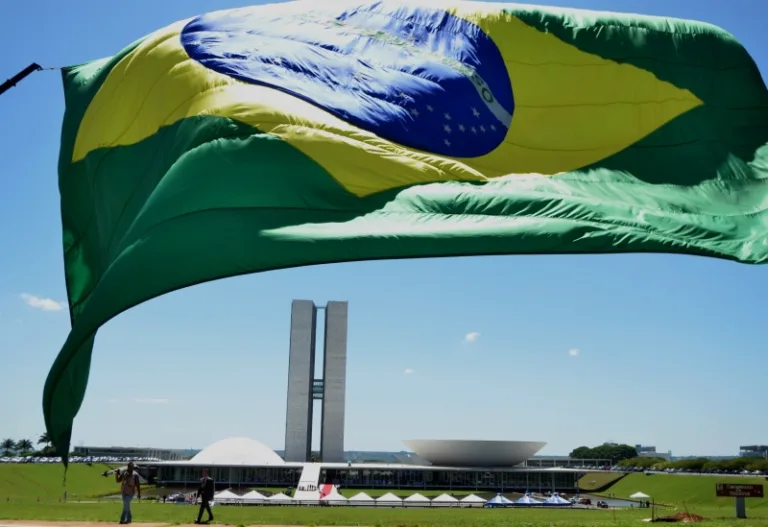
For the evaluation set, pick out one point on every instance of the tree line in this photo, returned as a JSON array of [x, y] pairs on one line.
[[25, 447], [615, 453], [699, 464], [626, 456]]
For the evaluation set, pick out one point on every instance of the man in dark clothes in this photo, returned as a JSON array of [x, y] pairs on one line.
[[206, 495]]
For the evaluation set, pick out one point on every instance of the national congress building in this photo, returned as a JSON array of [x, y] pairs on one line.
[[437, 464]]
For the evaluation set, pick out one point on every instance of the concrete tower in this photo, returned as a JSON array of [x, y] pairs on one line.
[[301, 370], [304, 388], [334, 382]]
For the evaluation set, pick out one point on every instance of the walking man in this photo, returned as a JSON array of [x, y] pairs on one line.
[[129, 485], [206, 495]]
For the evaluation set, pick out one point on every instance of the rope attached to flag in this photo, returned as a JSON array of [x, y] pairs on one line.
[[23, 74], [4, 87]]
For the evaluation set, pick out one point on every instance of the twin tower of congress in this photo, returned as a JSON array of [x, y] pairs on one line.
[[304, 388]]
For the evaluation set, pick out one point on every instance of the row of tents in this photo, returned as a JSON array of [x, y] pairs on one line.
[[253, 497], [555, 500]]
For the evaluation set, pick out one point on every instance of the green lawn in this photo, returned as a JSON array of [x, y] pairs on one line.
[[30, 482], [22, 485], [314, 516], [597, 480], [691, 490]]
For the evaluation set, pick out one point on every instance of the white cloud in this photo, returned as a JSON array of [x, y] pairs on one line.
[[574, 352], [46, 304], [471, 337], [408, 371], [111, 401], [149, 400]]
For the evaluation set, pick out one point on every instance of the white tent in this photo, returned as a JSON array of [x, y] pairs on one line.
[[472, 501], [361, 499], [639, 496], [253, 497], [499, 501], [555, 499], [388, 499], [279, 498], [416, 500], [445, 500], [226, 496], [527, 500], [334, 498]]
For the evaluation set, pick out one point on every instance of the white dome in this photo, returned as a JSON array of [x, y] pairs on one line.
[[237, 451]]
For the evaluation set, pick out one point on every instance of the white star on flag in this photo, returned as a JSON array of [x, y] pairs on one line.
[[447, 128], [475, 112]]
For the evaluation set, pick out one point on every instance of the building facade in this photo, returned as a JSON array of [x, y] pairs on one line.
[[754, 451], [164, 454], [243, 463], [650, 451], [304, 388], [373, 476], [645, 449]]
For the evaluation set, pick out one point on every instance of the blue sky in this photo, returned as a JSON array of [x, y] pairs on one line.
[[654, 349]]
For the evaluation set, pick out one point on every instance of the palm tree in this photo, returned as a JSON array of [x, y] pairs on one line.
[[24, 446], [8, 446], [44, 439]]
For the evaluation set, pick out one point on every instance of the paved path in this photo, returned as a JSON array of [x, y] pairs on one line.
[[18, 523]]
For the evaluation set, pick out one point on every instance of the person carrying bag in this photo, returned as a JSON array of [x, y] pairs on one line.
[[129, 486]]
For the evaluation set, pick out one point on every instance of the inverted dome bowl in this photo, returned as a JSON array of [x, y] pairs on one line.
[[468, 453]]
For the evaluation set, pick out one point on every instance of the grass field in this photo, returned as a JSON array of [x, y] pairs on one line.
[[22, 485], [597, 480], [315, 516], [395, 517], [46, 481], [689, 490]]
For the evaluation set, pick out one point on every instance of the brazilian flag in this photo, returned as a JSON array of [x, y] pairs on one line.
[[294, 134]]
